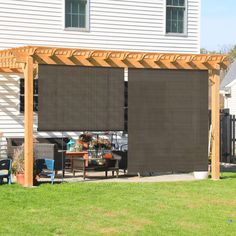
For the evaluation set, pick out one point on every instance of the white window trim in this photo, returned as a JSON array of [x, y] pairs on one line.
[[86, 29], [21, 113], [185, 33]]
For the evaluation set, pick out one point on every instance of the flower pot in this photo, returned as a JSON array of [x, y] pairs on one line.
[[20, 178], [84, 144], [107, 155], [200, 175]]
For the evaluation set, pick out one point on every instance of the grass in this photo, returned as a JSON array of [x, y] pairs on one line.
[[183, 208]]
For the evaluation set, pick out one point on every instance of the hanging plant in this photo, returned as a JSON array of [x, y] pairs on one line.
[[86, 137]]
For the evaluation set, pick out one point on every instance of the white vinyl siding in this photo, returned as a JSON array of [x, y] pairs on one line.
[[230, 102], [134, 25]]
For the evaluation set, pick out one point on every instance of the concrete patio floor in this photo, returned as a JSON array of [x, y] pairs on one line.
[[97, 177]]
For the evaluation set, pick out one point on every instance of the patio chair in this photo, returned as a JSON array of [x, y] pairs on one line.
[[5, 170], [45, 168], [122, 154]]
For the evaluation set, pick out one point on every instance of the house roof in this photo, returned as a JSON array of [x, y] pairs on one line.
[[13, 60], [229, 77]]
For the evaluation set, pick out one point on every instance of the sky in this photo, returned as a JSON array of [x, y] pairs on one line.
[[218, 24]]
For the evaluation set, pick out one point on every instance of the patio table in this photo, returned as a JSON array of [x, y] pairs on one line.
[[90, 164], [70, 156]]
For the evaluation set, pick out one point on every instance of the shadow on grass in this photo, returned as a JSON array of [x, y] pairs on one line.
[[47, 182], [228, 175]]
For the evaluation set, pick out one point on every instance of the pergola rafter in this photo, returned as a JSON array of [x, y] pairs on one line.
[[27, 59], [11, 70], [65, 56]]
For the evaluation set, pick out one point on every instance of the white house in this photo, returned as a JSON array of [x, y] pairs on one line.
[[228, 89], [151, 25], [132, 25]]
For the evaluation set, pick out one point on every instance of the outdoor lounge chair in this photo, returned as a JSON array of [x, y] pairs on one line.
[[45, 168], [43, 147], [5, 170]]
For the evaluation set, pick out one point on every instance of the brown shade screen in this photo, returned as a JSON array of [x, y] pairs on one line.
[[73, 98], [167, 120]]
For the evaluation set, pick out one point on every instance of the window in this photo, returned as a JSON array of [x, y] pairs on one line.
[[175, 16], [22, 95], [76, 12]]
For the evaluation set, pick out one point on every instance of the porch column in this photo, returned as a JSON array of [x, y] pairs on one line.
[[215, 119], [28, 117]]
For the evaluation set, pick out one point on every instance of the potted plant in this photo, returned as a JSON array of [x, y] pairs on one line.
[[18, 165], [102, 143], [85, 139]]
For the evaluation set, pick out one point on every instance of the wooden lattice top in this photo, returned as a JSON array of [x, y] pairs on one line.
[[13, 60]]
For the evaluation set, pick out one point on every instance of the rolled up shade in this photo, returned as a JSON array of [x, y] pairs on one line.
[[73, 98]]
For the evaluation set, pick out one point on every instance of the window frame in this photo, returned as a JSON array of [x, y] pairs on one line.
[[21, 108], [185, 26], [87, 19]]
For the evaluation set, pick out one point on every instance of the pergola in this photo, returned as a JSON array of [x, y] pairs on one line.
[[26, 60]]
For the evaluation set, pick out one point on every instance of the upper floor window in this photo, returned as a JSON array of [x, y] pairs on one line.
[[76, 14], [175, 16]]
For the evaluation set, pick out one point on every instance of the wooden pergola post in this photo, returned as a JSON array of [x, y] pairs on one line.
[[28, 145], [215, 119]]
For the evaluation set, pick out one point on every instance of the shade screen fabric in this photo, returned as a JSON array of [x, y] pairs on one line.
[[73, 98], [167, 121]]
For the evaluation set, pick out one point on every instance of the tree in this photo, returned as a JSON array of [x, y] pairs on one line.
[[224, 49], [203, 51], [232, 52]]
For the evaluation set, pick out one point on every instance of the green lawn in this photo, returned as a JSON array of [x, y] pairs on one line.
[[183, 208]]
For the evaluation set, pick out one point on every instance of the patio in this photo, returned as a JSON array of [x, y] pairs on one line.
[[38, 60], [98, 177]]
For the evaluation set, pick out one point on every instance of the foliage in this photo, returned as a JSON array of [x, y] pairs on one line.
[[182, 208], [18, 163], [225, 49], [101, 143], [79, 147], [232, 52], [205, 51], [86, 137]]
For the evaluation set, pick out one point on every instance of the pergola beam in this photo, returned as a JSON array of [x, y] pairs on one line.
[[86, 57]]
